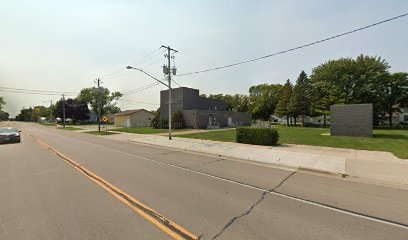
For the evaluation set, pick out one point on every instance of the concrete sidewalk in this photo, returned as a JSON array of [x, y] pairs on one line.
[[373, 165]]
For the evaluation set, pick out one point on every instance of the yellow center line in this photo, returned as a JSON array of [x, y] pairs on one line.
[[168, 226]]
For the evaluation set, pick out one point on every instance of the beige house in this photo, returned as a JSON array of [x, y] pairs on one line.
[[133, 118]]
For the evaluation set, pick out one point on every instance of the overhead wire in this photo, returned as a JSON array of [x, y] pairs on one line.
[[132, 101], [35, 93], [141, 89], [140, 60], [36, 90], [175, 82], [296, 48]]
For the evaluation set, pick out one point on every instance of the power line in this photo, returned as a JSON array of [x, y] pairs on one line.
[[176, 82], [141, 89], [139, 61], [297, 48], [149, 58], [127, 100], [145, 66], [34, 93], [145, 58], [35, 90]]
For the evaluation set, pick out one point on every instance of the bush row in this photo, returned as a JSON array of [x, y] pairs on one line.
[[257, 136]]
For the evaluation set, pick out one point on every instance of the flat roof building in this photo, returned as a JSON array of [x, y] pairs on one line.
[[201, 112]]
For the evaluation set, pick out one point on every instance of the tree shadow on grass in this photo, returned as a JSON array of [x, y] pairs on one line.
[[391, 136]]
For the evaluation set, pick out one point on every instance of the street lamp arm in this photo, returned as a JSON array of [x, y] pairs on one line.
[[129, 67]]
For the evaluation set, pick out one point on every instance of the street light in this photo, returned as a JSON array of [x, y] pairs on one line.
[[130, 67], [167, 85]]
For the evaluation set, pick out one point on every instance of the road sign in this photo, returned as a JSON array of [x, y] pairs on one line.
[[105, 119]]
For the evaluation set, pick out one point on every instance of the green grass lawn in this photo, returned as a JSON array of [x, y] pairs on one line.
[[70, 128], [390, 140], [103, 133], [147, 130]]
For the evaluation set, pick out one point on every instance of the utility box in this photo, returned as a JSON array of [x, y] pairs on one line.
[[351, 120]]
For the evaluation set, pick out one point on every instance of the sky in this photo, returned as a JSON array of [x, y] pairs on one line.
[[66, 45]]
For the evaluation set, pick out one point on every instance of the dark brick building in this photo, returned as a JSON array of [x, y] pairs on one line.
[[200, 112]]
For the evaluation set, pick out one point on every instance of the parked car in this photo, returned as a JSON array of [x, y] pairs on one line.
[[9, 134]]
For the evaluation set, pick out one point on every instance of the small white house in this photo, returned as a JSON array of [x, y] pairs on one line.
[[397, 118], [136, 118]]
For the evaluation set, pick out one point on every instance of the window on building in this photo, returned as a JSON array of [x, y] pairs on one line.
[[149, 119], [405, 118]]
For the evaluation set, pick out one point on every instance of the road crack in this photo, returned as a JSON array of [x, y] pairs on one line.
[[262, 197], [204, 163]]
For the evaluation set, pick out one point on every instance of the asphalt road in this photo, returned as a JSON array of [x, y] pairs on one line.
[[44, 197]]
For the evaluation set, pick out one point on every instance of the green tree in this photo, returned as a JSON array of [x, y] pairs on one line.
[[2, 103], [39, 111], [300, 100], [231, 101], [25, 115], [100, 99], [263, 99], [243, 103], [283, 101], [4, 116], [396, 93], [349, 81], [74, 108], [228, 99]]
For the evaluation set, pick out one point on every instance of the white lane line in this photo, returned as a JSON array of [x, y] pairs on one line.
[[335, 209]]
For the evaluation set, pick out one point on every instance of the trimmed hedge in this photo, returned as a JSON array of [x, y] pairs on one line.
[[257, 136]]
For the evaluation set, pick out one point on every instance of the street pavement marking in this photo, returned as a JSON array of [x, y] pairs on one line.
[[168, 226], [310, 202]]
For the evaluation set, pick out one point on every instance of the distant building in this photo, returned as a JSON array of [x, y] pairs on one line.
[[133, 118], [201, 112], [398, 118]]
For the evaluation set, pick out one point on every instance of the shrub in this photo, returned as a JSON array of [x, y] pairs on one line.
[[177, 120], [156, 121], [257, 136], [163, 123]]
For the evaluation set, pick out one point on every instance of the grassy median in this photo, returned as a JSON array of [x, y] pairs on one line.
[[390, 140]]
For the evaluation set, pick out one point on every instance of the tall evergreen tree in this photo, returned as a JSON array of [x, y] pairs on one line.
[[283, 101], [300, 100]]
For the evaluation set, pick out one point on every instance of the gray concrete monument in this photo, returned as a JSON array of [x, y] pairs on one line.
[[351, 120]]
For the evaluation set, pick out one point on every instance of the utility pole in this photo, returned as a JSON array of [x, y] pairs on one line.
[[236, 103], [169, 70], [63, 109], [99, 104], [51, 111]]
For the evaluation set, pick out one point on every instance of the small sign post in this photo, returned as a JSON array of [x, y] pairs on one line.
[[105, 120]]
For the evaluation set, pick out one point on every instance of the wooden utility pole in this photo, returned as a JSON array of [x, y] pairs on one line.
[[63, 110], [98, 99], [51, 111], [169, 70]]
